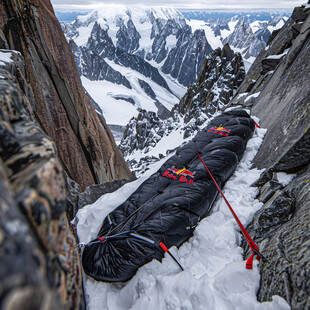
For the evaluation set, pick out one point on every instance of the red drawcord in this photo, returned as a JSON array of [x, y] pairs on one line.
[[166, 250]]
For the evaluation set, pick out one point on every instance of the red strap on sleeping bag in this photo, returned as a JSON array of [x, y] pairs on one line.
[[252, 245], [256, 124]]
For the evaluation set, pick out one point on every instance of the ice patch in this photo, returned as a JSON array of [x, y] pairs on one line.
[[5, 57], [255, 95]]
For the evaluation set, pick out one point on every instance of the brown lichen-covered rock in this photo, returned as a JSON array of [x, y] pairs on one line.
[[39, 260], [22, 264], [84, 142]]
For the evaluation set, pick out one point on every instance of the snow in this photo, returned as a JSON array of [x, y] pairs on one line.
[[278, 56], [232, 24], [178, 89], [117, 112], [171, 41], [84, 34], [103, 23], [214, 41], [5, 58], [255, 95], [284, 178], [279, 25], [162, 95], [104, 93], [241, 95], [111, 16], [256, 25], [215, 276]]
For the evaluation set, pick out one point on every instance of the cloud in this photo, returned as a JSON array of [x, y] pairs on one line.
[[207, 4]]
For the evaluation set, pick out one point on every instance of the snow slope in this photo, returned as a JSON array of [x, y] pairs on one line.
[[5, 57], [215, 276], [119, 112]]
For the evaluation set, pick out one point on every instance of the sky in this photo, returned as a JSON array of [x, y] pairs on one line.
[[87, 5]]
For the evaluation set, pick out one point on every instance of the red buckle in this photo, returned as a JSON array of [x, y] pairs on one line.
[[249, 262], [163, 247]]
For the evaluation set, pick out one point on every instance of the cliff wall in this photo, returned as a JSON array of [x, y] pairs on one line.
[[276, 89], [49, 132], [83, 140]]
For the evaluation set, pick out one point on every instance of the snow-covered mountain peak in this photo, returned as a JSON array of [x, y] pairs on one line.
[[85, 20], [146, 56], [139, 14]]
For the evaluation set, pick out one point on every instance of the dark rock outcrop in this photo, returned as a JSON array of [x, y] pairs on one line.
[[59, 102], [220, 75], [281, 227], [40, 266], [142, 132], [77, 199], [184, 60], [127, 37], [140, 65]]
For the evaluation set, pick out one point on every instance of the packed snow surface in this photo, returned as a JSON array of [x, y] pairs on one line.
[[5, 57], [120, 111], [255, 95], [285, 178], [278, 56], [214, 275]]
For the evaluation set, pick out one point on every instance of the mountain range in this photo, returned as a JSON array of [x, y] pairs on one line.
[[148, 57]]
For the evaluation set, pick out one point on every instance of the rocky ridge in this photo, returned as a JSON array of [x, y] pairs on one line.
[[276, 89], [220, 75]]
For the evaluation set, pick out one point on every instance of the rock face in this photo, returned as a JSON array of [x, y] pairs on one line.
[[244, 38], [184, 60], [40, 266], [281, 101], [59, 102], [47, 124]]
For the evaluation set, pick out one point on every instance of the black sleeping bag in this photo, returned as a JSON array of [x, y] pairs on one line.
[[170, 203]]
